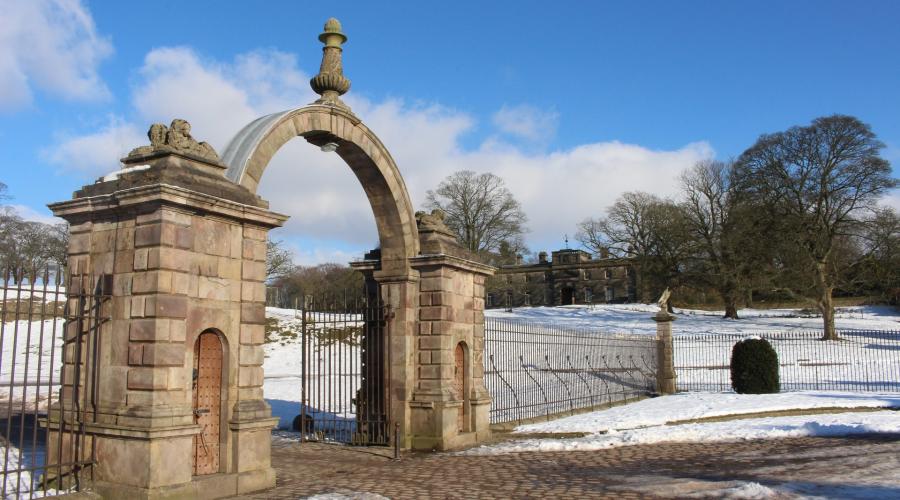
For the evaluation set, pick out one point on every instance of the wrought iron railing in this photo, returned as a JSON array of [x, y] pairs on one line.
[[862, 360], [43, 446], [537, 370]]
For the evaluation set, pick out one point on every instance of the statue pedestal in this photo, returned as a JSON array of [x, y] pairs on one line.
[[665, 359]]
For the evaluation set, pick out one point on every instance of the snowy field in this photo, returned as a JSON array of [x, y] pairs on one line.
[[30, 344], [333, 366], [30, 362], [698, 405], [552, 379], [868, 359], [657, 420], [636, 318]]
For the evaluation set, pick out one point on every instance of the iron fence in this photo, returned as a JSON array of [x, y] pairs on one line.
[[863, 360], [43, 446], [537, 370]]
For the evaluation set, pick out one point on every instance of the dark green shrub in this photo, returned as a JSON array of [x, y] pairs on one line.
[[754, 367]]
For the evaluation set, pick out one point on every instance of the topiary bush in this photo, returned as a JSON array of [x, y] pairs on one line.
[[754, 367]]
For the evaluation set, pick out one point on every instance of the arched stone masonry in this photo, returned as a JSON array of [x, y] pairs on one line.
[[180, 238]]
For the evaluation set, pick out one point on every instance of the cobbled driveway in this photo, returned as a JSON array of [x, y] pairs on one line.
[[846, 467]]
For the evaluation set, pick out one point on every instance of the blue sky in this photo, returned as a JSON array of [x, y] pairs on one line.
[[571, 102]]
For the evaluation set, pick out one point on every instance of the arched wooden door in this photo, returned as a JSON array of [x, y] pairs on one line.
[[459, 383], [207, 402]]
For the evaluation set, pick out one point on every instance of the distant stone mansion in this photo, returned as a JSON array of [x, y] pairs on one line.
[[570, 277]]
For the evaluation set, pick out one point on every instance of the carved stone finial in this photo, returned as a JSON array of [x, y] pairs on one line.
[[331, 83], [177, 138]]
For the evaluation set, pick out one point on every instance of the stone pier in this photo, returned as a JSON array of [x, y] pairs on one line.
[[184, 251]]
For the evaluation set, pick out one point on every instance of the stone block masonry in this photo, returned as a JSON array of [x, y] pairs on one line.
[[183, 258]]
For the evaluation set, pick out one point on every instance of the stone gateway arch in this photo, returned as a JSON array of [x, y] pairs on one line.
[[176, 241]]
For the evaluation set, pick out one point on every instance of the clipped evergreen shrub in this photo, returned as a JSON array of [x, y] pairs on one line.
[[754, 367]]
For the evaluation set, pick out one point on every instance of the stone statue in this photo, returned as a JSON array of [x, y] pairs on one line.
[[176, 137], [433, 221], [663, 301], [157, 135]]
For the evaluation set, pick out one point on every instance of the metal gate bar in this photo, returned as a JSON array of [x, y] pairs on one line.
[[39, 326], [344, 370]]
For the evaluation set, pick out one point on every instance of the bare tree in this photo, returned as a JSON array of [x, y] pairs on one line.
[[324, 280], [711, 210], [643, 227], [479, 209], [877, 270], [9, 226], [279, 261], [816, 181]]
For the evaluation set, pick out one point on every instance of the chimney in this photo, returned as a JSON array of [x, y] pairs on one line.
[[518, 259], [604, 253], [542, 257]]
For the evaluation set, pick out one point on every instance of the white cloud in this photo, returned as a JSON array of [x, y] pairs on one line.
[[30, 214], [526, 122], [324, 199], [218, 98], [311, 254], [52, 45], [892, 199], [98, 153]]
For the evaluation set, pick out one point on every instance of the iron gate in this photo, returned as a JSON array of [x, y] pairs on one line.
[[344, 370], [43, 408]]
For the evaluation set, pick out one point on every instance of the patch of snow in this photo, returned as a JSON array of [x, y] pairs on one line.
[[742, 490], [697, 405], [350, 495], [14, 480], [22, 291], [115, 175], [664, 486], [841, 424]]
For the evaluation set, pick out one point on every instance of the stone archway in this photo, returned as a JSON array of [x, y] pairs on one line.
[[178, 240], [331, 125]]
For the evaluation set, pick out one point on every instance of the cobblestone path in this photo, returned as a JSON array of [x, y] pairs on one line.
[[846, 467]]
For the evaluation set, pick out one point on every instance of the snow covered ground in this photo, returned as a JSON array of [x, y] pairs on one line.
[[656, 420], [698, 405], [867, 360], [636, 318], [828, 424], [334, 369], [703, 367], [30, 355]]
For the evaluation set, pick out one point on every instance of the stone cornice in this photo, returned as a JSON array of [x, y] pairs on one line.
[[164, 194], [451, 261]]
